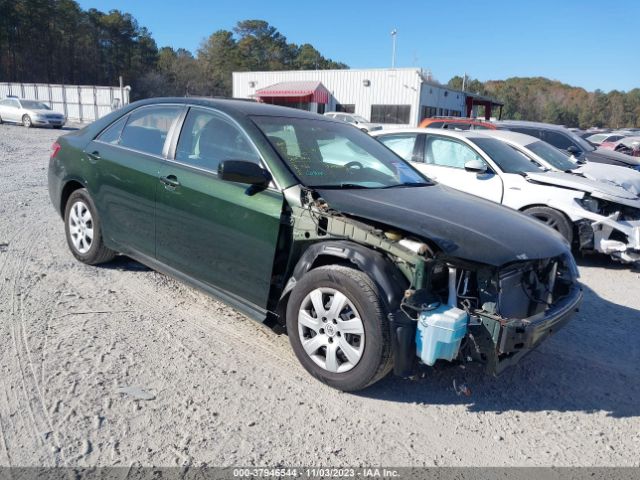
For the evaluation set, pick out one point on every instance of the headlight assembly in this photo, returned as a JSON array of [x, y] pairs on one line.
[[589, 203]]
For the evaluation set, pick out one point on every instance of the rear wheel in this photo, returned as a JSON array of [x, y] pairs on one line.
[[338, 328], [26, 121], [83, 230], [554, 219]]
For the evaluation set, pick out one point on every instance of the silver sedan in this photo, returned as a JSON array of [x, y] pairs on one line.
[[30, 113]]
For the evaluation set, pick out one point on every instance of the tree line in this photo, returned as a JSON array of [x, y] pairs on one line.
[[56, 41], [543, 100]]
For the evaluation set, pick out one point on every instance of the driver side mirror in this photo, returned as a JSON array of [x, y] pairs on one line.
[[241, 171], [573, 150], [475, 166]]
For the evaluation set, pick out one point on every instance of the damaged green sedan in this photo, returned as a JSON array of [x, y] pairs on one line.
[[311, 224]]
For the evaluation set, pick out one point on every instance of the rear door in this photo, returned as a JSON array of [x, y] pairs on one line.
[[444, 159], [127, 157], [212, 230]]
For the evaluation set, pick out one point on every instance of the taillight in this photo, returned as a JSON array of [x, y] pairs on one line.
[[55, 148]]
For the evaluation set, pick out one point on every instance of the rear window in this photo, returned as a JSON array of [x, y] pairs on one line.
[[147, 128]]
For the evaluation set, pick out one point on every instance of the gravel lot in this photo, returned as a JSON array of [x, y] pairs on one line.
[[120, 365]]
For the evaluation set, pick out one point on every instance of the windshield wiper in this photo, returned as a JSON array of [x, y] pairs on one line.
[[410, 184], [343, 185]]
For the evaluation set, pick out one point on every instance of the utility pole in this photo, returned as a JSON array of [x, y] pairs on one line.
[[464, 80], [394, 32]]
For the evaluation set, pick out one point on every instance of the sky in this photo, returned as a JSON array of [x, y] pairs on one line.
[[590, 44]]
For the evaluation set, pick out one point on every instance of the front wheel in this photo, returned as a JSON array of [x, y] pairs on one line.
[[338, 328], [26, 121], [84, 230], [554, 219]]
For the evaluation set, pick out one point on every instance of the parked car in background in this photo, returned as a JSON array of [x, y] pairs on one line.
[[590, 215], [355, 120], [369, 265], [550, 158], [456, 123], [627, 145], [30, 113], [600, 138], [568, 141]]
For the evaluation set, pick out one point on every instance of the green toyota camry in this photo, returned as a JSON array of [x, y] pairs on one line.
[[308, 223]]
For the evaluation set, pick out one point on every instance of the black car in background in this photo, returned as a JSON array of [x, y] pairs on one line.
[[566, 140]]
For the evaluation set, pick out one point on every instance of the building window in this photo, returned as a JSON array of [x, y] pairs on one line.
[[428, 112], [398, 114], [346, 108], [321, 107], [439, 112], [446, 112]]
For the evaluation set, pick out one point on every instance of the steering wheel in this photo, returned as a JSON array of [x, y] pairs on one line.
[[353, 164]]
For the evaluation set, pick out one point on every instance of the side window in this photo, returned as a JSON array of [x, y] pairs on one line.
[[559, 140], [402, 144], [445, 152], [112, 133], [147, 128], [207, 139]]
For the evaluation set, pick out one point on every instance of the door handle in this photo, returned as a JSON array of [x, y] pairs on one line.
[[95, 155], [170, 181]]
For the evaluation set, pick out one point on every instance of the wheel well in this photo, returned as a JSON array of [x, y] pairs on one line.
[[68, 189], [574, 226]]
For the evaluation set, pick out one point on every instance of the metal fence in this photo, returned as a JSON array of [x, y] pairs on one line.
[[83, 103]]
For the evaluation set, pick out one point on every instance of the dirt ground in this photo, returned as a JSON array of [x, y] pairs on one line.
[[120, 365]]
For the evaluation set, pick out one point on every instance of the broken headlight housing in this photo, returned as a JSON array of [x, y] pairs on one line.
[[589, 203]]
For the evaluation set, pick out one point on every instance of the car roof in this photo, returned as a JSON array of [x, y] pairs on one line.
[[462, 134], [523, 123], [237, 106], [514, 137]]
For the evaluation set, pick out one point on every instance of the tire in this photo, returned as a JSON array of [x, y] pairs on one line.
[[26, 121], [554, 219], [87, 248], [368, 346]]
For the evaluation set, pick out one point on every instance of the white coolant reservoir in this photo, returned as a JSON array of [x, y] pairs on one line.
[[440, 332]]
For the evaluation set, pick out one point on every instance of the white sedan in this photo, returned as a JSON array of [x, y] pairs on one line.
[[30, 113], [550, 158], [591, 215]]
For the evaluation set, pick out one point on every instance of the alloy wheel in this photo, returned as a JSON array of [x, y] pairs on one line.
[[81, 227], [331, 330]]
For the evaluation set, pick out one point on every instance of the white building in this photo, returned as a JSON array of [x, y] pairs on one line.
[[392, 96]]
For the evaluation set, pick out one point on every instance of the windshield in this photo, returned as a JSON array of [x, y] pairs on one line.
[[33, 105], [326, 154], [552, 156], [508, 159]]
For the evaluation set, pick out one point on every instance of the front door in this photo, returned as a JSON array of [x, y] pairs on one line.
[[126, 158], [212, 230], [444, 160]]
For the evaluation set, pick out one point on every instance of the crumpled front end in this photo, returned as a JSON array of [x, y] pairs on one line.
[[486, 313], [608, 228], [511, 310]]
